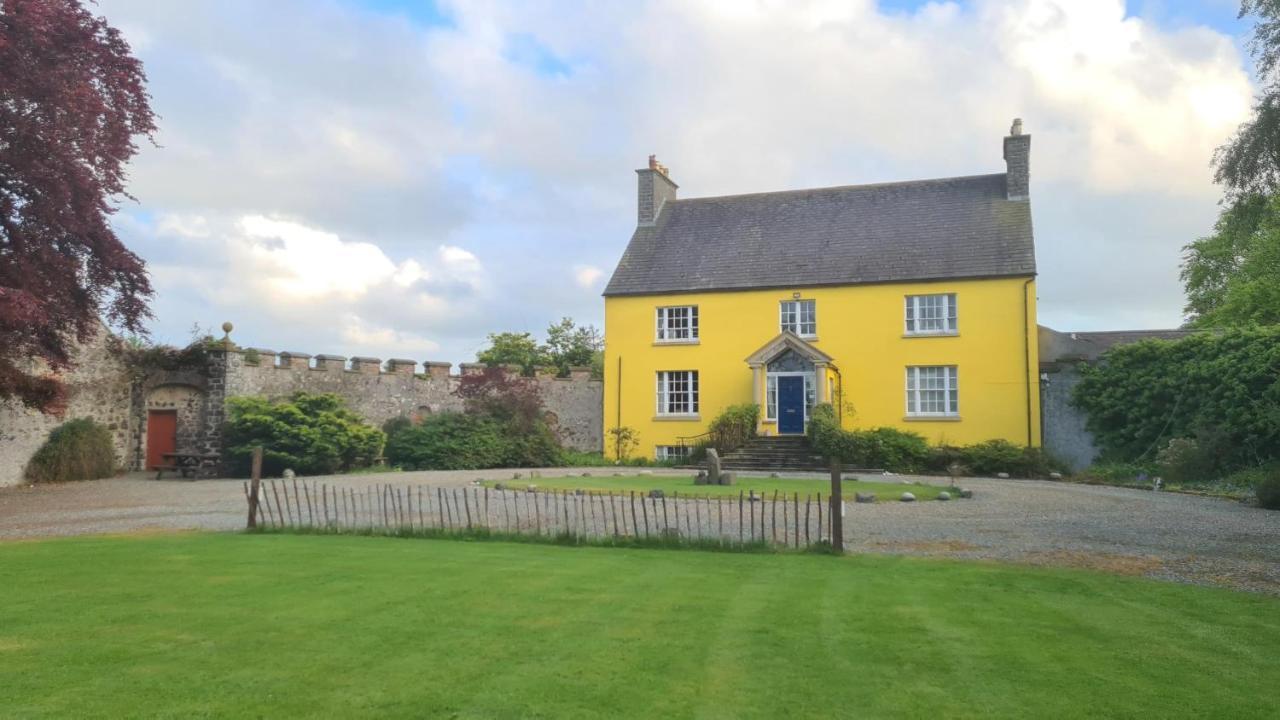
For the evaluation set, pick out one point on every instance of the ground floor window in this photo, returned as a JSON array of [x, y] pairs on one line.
[[933, 391], [677, 392], [671, 452]]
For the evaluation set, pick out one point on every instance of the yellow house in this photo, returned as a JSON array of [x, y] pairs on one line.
[[907, 304]]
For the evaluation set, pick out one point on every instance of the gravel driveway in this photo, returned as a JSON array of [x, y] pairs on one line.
[[1162, 535]]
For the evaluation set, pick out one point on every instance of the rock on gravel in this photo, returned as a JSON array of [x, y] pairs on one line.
[[944, 495], [908, 497]]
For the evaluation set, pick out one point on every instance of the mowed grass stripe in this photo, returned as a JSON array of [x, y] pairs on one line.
[[280, 625]]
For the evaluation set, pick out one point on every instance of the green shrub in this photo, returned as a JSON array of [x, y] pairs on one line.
[[308, 433], [884, 447], [1001, 456], [1186, 461], [449, 441], [734, 427], [78, 449], [1268, 491], [461, 441]]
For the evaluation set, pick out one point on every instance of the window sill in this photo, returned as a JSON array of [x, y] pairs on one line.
[[931, 418], [694, 341], [807, 338], [931, 335], [677, 418]]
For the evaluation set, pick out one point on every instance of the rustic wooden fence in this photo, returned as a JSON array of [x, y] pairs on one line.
[[778, 519]]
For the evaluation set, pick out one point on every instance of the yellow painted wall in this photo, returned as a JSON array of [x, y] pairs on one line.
[[862, 328]]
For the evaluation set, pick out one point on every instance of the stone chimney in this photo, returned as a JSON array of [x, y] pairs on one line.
[[656, 189], [1017, 160]]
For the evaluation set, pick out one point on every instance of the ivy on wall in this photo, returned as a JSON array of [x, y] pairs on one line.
[[1221, 388]]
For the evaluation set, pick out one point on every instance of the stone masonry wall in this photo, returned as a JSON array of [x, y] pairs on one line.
[[379, 392], [1065, 436], [99, 389]]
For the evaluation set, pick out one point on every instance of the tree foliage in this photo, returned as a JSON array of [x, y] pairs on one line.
[[72, 98], [1249, 162], [311, 434], [567, 346], [1221, 388], [1232, 277]]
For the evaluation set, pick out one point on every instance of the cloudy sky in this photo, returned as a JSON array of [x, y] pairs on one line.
[[398, 178]]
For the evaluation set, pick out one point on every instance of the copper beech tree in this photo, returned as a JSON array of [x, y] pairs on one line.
[[72, 100]]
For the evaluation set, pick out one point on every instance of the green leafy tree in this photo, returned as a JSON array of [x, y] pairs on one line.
[[1232, 277], [1249, 163], [571, 346], [509, 348], [567, 346]]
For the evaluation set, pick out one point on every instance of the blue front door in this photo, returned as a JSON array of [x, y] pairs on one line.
[[790, 404]]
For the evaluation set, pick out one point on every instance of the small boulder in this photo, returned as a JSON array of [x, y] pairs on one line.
[[966, 493], [499, 486], [586, 474], [700, 478], [288, 474], [1003, 476], [944, 495], [515, 476], [907, 497], [726, 478], [1055, 476], [531, 488], [752, 497], [656, 494], [617, 474], [864, 497]]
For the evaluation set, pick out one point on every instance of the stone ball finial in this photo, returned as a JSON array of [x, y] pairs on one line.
[[227, 327], [1016, 129]]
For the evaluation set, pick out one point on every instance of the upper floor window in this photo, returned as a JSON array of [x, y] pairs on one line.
[[677, 392], [677, 323], [800, 317], [933, 390], [931, 314]]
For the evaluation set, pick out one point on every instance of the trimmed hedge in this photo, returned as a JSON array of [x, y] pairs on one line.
[[79, 449]]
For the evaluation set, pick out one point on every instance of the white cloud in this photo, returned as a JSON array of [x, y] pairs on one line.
[[586, 275], [364, 168]]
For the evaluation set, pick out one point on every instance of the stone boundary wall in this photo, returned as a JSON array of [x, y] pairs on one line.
[[103, 389], [379, 391], [99, 388]]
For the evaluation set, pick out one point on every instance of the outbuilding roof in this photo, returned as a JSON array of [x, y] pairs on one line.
[[940, 229]]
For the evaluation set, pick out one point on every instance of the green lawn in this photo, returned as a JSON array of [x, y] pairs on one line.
[[602, 482], [231, 625]]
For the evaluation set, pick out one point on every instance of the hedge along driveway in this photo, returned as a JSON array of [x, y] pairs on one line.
[[280, 626]]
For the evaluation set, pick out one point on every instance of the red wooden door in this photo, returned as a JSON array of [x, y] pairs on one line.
[[162, 436]]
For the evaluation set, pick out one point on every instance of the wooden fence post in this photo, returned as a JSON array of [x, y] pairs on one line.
[[837, 522], [254, 487]]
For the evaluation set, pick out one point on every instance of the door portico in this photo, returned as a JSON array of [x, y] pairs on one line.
[[788, 377]]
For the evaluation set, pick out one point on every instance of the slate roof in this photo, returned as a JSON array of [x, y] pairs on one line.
[[1061, 347], [920, 230]]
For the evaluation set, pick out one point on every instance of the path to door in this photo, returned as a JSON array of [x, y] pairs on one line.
[[1162, 535]]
